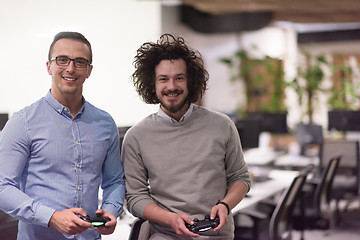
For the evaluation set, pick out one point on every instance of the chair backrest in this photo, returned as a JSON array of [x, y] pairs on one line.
[[280, 219], [139, 230], [8, 226], [321, 196], [348, 149], [350, 157], [122, 131]]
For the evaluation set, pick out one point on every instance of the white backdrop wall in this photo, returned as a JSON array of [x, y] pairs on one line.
[[116, 29]]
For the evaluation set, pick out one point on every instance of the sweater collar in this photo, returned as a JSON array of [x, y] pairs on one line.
[[163, 115]]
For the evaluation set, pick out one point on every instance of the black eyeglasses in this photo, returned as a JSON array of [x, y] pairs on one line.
[[64, 61]]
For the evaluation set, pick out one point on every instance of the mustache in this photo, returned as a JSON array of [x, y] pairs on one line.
[[176, 91]]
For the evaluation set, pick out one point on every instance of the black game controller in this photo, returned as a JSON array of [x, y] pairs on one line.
[[97, 221], [203, 225]]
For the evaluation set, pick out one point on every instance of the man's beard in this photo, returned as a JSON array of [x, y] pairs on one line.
[[174, 108]]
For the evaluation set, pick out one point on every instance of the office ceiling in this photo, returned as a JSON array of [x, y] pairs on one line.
[[297, 11]]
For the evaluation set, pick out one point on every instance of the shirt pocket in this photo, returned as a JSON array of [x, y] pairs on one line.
[[98, 153]]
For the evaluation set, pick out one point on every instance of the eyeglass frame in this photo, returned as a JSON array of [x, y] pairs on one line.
[[71, 59]]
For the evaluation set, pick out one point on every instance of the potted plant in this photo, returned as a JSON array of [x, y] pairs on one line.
[[264, 84], [308, 84], [343, 114]]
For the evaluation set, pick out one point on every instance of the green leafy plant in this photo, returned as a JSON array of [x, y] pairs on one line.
[[308, 83], [263, 80], [343, 94]]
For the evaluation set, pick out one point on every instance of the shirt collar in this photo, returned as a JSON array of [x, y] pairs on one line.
[[59, 107], [162, 114]]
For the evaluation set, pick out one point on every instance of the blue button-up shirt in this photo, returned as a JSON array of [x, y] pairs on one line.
[[50, 161]]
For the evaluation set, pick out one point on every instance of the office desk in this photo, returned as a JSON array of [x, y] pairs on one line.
[[261, 156], [280, 180], [295, 161]]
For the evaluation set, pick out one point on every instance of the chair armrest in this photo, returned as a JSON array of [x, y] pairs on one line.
[[313, 181]]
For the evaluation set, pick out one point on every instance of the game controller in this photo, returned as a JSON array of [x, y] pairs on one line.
[[97, 221], [203, 225]]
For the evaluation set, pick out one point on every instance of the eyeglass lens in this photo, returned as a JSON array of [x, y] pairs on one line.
[[65, 61]]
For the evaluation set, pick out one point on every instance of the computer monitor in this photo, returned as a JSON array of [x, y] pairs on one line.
[[4, 117], [307, 135], [271, 122], [249, 132], [344, 120]]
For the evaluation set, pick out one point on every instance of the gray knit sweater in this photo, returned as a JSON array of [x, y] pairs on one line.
[[183, 167]]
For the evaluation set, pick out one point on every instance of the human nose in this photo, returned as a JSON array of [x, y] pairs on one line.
[[171, 84], [71, 67]]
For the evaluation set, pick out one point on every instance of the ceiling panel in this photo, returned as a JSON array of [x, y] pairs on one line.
[[301, 11]]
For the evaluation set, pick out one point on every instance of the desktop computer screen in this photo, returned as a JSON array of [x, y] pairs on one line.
[[344, 120], [271, 122], [249, 132]]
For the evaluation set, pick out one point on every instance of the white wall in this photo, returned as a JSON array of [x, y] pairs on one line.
[[115, 28]]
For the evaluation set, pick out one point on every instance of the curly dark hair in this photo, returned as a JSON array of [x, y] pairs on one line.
[[168, 47]]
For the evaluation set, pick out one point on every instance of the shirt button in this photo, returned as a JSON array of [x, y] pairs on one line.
[[77, 142], [77, 165], [78, 188]]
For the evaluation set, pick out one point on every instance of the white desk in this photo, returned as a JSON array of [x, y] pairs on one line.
[[295, 161], [280, 180], [260, 156]]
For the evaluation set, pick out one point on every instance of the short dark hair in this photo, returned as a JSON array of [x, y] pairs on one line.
[[168, 47], [70, 35]]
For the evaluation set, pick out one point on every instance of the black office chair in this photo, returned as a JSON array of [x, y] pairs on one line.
[[346, 185], [8, 227], [139, 230], [122, 131], [277, 227], [316, 212]]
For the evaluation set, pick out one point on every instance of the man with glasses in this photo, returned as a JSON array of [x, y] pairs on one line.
[[55, 153]]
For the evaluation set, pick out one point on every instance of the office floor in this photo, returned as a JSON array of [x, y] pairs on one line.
[[348, 227]]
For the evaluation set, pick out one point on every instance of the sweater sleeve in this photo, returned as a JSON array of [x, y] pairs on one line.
[[235, 165], [136, 178]]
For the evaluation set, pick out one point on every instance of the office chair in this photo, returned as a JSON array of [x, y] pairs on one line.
[[122, 131], [346, 185], [140, 230], [316, 212], [8, 227], [278, 227]]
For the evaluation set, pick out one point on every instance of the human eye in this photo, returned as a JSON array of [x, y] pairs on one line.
[[162, 79], [181, 78], [62, 60], [81, 62]]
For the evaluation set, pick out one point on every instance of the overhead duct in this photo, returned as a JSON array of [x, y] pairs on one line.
[[225, 23]]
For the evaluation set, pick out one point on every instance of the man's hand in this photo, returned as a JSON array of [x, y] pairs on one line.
[[109, 227], [220, 211], [67, 221], [178, 224]]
